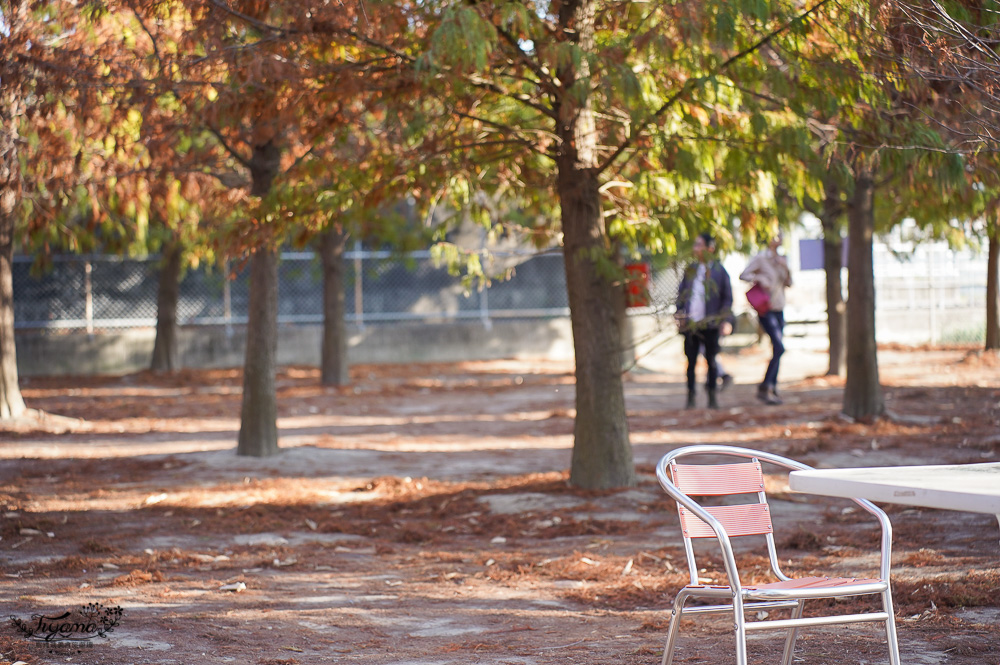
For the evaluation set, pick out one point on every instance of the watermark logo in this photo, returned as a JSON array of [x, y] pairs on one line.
[[79, 626]]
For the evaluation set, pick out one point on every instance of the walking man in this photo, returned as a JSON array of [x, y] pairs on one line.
[[704, 314]]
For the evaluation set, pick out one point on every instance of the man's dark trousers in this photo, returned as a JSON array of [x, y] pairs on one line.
[[693, 339]]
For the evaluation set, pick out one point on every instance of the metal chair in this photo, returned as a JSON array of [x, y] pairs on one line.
[[745, 477]]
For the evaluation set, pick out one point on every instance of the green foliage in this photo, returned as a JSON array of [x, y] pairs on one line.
[[699, 125], [463, 40]]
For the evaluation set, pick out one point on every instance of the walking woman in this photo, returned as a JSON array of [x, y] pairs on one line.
[[770, 270]]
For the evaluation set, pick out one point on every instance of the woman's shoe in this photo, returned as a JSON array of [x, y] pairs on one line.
[[768, 395]]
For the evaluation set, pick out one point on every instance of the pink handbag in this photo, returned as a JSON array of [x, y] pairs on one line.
[[759, 299]]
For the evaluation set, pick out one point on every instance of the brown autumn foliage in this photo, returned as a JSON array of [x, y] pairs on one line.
[[129, 106]]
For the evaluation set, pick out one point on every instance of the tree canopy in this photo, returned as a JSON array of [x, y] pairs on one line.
[[607, 128]]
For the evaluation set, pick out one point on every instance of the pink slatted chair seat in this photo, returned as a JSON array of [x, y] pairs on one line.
[[718, 479], [812, 583], [743, 520]]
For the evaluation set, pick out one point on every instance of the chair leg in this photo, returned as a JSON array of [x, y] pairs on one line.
[[741, 631], [786, 658], [890, 628], [675, 624]]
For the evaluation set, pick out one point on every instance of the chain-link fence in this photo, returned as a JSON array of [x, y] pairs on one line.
[[104, 292], [935, 295]]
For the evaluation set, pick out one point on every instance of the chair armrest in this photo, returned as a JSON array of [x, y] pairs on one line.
[[885, 545], [885, 549]]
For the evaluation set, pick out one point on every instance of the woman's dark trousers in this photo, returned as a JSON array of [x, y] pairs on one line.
[[773, 324]]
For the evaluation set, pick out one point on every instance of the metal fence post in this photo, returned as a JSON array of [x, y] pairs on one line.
[[932, 295], [484, 297], [484, 308], [88, 297], [359, 296], [227, 299]]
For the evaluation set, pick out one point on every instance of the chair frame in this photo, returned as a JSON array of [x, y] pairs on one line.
[[740, 599]]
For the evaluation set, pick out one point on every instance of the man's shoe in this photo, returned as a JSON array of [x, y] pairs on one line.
[[772, 398], [690, 400], [762, 392], [725, 381], [712, 403]]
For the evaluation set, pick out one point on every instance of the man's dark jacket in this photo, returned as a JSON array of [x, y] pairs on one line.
[[718, 296]]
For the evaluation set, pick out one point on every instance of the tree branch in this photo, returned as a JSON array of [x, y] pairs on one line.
[[231, 150], [523, 99], [152, 39], [257, 23], [545, 82], [502, 128]]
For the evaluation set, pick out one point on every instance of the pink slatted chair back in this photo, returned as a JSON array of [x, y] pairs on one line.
[[722, 480], [718, 479]]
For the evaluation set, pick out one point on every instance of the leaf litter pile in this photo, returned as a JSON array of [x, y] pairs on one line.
[[423, 515]]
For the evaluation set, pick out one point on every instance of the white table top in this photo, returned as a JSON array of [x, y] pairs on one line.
[[966, 487]]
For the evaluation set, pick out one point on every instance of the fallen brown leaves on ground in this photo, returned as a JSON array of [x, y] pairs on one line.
[[424, 515]]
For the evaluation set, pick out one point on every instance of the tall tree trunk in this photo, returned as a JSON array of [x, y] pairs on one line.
[[11, 402], [863, 397], [993, 289], [259, 413], [833, 247], [333, 361], [602, 454], [167, 294]]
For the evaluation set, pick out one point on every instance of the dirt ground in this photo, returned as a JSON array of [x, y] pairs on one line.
[[422, 516]]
